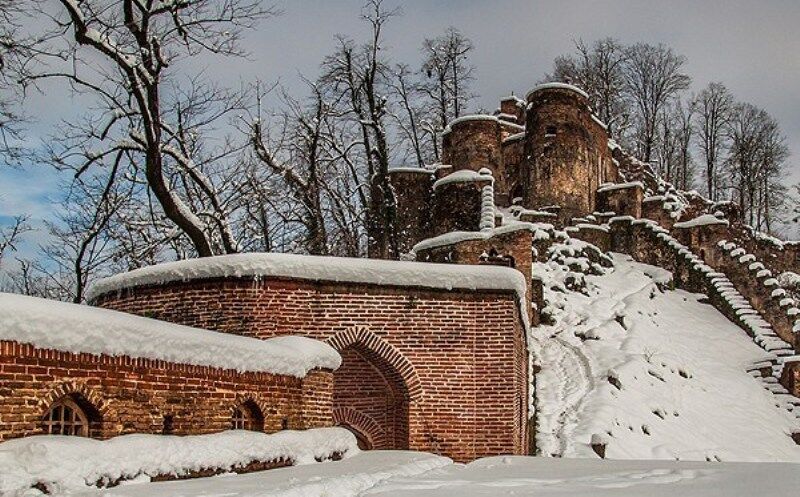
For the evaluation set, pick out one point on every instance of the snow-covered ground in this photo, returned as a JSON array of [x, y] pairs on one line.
[[652, 373], [402, 473], [65, 464]]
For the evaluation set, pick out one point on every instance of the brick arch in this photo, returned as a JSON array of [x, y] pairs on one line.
[[88, 399], [363, 423], [375, 346], [72, 388]]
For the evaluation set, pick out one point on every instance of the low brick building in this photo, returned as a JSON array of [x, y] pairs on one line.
[[434, 355], [70, 369]]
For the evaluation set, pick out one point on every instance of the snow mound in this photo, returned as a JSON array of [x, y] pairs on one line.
[[64, 464], [77, 328], [658, 374]]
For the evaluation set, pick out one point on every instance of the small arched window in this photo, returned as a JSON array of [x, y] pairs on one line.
[[247, 416], [66, 417]]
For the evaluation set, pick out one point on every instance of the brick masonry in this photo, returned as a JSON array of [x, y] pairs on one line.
[[124, 395], [433, 370]]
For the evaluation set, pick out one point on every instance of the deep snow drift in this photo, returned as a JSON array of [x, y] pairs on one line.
[[652, 373], [407, 474], [65, 464]]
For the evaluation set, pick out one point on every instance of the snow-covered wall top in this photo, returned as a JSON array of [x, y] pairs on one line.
[[619, 186], [557, 86], [464, 176], [317, 268], [79, 328], [704, 220]]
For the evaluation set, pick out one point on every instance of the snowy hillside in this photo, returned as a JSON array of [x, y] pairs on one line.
[[650, 372]]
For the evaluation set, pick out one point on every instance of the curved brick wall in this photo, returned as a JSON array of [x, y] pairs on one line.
[[474, 143], [450, 366], [566, 166]]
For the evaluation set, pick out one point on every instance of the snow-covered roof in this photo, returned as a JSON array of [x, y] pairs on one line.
[[77, 328], [318, 268], [464, 176], [557, 86], [472, 117], [704, 220]]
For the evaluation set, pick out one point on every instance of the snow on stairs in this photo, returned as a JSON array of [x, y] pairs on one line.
[[767, 371]]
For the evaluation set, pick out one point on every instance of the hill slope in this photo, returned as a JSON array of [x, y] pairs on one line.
[[652, 373]]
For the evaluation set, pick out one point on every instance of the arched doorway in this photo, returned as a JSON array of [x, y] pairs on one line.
[[371, 395]]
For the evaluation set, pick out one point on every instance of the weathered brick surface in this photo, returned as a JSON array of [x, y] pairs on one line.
[[134, 395], [457, 206], [413, 191], [474, 144], [450, 366], [567, 150], [622, 201], [512, 249]]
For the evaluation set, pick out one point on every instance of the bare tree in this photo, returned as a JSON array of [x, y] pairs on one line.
[[714, 108], [305, 143], [357, 76], [653, 77], [10, 235], [756, 163], [447, 73], [598, 70], [124, 55]]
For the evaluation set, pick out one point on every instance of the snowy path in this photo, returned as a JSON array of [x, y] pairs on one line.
[[656, 373], [572, 368]]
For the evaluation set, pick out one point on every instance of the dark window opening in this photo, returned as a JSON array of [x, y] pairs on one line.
[[550, 131], [71, 415], [247, 416], [168, 425]]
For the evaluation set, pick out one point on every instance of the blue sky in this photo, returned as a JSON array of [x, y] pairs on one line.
[[751, 46]]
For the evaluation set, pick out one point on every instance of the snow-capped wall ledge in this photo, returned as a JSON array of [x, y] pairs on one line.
[[704, 220], [465, 236], [424, 170], [318, 268], [556, 86], [77, 328], [73, 464], [465, 176], [619, 186], [471, 118]]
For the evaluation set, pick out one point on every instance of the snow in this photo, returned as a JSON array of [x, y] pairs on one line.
[[463, 176], [318, 268], [68, 464], [453, 237], [641, 364], [514, 137], [416, 474], [411, 170], [619, 186], [469, 118], [559, 86], [704, 220], [79, 328]]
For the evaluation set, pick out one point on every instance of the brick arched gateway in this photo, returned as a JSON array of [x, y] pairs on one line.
[[373, 389]]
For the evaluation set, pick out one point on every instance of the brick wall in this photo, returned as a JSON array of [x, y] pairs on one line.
[[456, 359], [129, 395], [567, 150]]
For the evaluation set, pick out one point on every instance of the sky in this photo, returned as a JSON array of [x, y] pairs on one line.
[[751, 46]]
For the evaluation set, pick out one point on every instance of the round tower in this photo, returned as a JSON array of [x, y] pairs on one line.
[[566, 148], [474, 142]]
